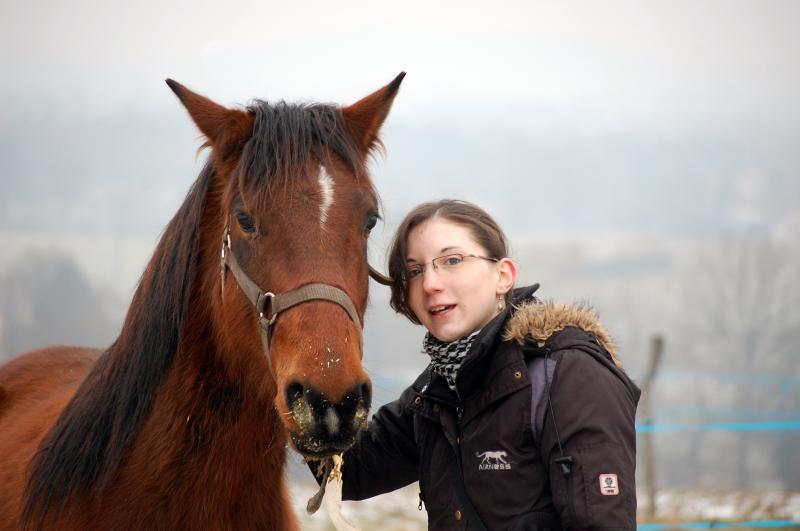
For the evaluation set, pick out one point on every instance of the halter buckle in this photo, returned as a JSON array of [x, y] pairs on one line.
[[265, 300]]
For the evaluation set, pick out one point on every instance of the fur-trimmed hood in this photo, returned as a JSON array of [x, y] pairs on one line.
[[541, 319]]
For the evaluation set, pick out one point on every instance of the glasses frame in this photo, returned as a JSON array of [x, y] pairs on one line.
[[423, 266]]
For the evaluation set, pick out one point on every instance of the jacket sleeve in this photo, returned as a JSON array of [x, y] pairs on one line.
[[593, 479], [385, 456]]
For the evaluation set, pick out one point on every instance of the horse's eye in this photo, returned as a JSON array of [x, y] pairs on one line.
[[245, 222], [372, 220]]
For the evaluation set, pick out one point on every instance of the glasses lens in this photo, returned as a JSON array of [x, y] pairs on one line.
[[450, 261], [413, 272]]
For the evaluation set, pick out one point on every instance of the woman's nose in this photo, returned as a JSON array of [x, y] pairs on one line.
[[431, 279]]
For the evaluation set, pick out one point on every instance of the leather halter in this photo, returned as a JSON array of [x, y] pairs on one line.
[[269, 304]]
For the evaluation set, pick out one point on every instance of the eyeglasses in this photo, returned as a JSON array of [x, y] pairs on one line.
[[448, 262]]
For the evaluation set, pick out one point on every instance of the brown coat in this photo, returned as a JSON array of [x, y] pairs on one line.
[[500, 427]]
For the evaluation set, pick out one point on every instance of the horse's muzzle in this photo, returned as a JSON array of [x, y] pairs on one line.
[[325, 427]]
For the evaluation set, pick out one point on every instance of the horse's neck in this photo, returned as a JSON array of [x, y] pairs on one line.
[[214, 426], [224, 404], [210, 445]]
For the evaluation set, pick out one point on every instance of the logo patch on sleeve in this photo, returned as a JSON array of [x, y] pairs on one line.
[[609, 484]]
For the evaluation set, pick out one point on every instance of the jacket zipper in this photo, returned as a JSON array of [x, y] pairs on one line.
[[459, 413], [566, 463]]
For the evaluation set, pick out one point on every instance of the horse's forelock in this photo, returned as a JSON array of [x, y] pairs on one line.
[[285, 137]]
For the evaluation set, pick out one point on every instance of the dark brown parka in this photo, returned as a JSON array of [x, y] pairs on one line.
[[498, 431]]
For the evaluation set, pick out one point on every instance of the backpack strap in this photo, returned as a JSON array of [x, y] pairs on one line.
[[541, 379], [540, 373]]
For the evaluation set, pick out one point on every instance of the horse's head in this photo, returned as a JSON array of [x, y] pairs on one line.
[[289, 213]]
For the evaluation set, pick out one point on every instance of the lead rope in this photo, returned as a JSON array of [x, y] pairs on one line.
[[333, 500], [330, 488]]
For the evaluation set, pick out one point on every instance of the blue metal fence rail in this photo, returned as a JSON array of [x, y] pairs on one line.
[[788, 425], [754, 524]]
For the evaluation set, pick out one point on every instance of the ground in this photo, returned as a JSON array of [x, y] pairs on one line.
[[397, 511]]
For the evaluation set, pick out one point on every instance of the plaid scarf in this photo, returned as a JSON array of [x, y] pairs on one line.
[[446, 358]]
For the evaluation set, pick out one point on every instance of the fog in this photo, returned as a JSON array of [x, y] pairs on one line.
[[641, 157]]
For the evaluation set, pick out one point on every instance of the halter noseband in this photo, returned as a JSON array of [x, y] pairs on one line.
[[269, 305]]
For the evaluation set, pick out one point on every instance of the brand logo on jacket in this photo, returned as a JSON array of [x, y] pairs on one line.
[[609, 484], [493, 460]]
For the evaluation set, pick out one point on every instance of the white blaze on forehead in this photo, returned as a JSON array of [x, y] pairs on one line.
[[326, 187]]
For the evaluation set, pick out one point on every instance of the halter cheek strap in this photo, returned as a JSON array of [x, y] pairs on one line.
[[269, 305]]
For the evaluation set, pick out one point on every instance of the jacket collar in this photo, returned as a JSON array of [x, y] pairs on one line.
[[526, 317], [542, 320], [474, 368]]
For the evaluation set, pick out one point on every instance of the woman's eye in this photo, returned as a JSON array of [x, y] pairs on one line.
[[453, 260], [413, 272], [372, 220], [245, 222]]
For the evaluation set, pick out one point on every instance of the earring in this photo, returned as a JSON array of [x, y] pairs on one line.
[[500, 305]]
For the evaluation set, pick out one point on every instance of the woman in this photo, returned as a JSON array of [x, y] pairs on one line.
[[523, 419]]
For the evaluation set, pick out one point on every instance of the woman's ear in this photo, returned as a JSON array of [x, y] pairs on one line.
[[507, 270]]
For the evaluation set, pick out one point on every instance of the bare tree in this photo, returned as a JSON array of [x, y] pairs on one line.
[[741, 315], [46, 300]]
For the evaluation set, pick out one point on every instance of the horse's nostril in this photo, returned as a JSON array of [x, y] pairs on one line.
[[330, 422], [366, 395], [294, 391]]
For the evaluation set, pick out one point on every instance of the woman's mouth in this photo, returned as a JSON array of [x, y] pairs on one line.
[[440, 310]]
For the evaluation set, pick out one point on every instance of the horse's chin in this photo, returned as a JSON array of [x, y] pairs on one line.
[[315, 448]]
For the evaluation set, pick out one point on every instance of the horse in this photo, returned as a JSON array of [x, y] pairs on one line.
[[243, 337]]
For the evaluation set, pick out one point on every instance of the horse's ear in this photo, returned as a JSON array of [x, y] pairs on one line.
[[364, 118], [226, 129]]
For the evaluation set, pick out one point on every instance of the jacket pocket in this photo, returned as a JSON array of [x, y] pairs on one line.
[[595, 487]]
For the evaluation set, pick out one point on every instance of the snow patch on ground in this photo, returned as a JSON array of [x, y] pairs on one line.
[[397, 511]]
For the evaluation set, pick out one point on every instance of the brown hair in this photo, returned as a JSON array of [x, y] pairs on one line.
[[485, 230]]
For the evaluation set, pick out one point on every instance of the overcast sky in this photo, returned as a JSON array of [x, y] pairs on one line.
[[667, 118], [616, 62]]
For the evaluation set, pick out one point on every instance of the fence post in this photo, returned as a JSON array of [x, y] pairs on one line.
[[648, 460]]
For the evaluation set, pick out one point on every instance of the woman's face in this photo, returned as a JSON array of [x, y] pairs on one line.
[[452, 303]]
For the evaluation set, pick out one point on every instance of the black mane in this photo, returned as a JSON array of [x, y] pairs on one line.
[[94, 429]]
